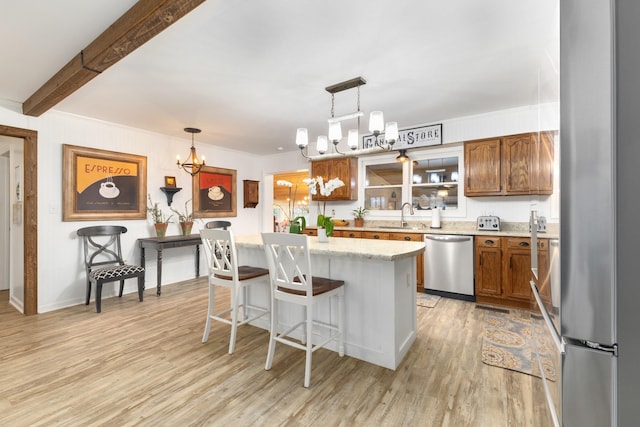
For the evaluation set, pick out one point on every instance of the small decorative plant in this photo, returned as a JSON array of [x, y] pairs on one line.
[[156, 213], [187, 216], [359, 214]]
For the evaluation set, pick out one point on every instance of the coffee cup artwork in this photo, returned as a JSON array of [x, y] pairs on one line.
[[215, 193], [108, 189]]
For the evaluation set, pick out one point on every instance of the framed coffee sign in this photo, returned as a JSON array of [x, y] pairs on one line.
[[100, 184], [214, 193]]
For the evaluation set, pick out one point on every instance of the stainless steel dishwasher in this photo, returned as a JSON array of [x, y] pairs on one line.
[[448, 266]]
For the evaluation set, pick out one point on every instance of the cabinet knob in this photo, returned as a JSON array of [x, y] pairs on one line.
[[524, 243], [489, 242], [407, 238], [376, 236], [351, 234]]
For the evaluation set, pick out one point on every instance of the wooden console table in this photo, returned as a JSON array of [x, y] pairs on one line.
[[161, 243]]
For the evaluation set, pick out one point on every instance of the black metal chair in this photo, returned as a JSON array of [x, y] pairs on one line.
[[103, 260], [218, 224]]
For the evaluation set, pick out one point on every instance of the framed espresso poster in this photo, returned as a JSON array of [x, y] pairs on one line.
[[214, 193], [102, 185]]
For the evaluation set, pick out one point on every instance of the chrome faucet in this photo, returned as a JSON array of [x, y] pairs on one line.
[[403, 223]]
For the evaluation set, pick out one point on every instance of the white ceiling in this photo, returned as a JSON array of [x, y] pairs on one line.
[[249, 72]]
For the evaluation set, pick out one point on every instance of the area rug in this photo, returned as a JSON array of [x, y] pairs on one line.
[[427, 300], [507, 343]]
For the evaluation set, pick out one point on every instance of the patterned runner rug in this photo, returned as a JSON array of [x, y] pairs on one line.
[[507, 343], [427, 300]]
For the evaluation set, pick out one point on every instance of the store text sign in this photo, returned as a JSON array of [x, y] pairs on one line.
[[422, 136]]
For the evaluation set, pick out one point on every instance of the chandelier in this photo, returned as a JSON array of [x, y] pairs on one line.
[[191, 165], [376, 126]]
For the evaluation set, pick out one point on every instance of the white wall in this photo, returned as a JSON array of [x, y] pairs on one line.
[[61, 280], [60, 272]]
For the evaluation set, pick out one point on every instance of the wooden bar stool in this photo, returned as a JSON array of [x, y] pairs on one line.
[[292, 281], [220, 250]]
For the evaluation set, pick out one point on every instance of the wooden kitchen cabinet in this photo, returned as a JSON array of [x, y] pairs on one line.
[[519, 164], [503, 270], [488, 280], [345, 168], [517, 269], [413, 237], [348, 233], [384, 235], [482, 167]]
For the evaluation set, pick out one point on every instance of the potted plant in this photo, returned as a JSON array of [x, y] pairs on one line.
[[358, 215], [297, 224], [185, 219], [160, 221], [317, 185]]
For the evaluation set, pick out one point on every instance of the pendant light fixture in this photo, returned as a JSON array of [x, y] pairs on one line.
[[402, 157], [191, 165], [376, 125]]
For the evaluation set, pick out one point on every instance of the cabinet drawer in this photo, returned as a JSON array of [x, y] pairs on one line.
[[488, 242], [348, 233], [518, 243], [310, 231], [375, 235], [409, 237], [543, 245]]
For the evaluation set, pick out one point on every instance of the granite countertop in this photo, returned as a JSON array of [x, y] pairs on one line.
[[508, 229], [386, 250]]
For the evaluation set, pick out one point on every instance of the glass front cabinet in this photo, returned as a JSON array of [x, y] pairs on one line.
[[428, 180]]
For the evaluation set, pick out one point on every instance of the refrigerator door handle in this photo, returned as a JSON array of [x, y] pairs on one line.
[[556, 338]]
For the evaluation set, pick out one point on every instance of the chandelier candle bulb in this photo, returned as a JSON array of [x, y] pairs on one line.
[[352, 139], [391, 132], [322, 144], [302, 137], [376, 122], [335, 133]]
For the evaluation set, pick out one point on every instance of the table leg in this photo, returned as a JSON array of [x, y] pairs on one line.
[[159, 271], [142, 256], [197, 261]]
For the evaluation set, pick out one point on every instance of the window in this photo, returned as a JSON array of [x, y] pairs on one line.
[[383, 186], [429, 180], [435, 183]]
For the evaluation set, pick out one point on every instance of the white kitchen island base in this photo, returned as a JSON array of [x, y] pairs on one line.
[[380, 296]]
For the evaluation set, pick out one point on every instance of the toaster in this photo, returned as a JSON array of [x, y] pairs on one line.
[[488, 223]]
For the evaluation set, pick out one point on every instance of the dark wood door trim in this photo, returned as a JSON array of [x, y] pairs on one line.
[[30, 188]]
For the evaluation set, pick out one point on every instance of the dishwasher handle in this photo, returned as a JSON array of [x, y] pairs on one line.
[[453, 239]]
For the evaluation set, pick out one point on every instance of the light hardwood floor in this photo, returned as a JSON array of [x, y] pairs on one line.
[[144, 364]]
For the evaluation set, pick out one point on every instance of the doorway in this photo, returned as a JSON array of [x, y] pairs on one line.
[[30, 213]]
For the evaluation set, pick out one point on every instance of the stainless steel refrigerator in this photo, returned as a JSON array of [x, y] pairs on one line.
[[594, 317]]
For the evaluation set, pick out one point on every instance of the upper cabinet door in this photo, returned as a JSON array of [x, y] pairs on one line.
[[509, 165], [346, 169], [517, 163], [482, 167]]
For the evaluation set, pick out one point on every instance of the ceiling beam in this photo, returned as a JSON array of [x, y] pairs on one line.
[[141, 23]]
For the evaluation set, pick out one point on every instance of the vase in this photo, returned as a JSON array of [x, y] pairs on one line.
[[161, 229], [294, 228], [358, 222], [322, 235], [186, 227]]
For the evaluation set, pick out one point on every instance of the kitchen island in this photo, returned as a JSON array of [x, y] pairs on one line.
[[380, 297]]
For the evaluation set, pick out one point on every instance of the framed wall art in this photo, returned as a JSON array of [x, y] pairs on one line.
[[100, 184], [170, 181], [214, 193]]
